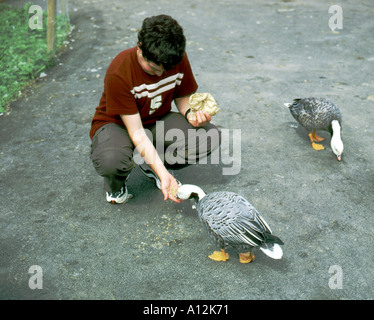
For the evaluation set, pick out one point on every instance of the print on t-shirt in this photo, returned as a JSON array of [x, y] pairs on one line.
[[156, 103]]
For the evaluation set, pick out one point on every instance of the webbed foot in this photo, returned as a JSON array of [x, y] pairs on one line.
[[246, 257], [219, 255]]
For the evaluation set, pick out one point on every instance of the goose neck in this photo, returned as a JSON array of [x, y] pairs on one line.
[[336, 128]]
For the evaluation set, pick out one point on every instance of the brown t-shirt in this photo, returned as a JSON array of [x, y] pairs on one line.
[[128, 89]]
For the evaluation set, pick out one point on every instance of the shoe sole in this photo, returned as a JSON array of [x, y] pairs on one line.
[[123, 199], [150, 174]]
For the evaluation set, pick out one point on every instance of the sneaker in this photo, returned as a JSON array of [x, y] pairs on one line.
[[119, 196], [148, 172]]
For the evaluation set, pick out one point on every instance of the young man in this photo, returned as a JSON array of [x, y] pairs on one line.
[[139, 87]]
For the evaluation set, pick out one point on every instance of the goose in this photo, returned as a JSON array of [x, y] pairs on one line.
[[232, 221], [319, 114]]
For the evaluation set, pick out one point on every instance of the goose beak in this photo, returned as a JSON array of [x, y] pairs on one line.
[[339, 158]]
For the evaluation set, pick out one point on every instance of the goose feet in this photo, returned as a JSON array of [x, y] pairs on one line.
[[315, 138], [219, 255], [317, 146], [246, 257]]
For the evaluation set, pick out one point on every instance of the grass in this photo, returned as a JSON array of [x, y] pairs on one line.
[[23, 51]]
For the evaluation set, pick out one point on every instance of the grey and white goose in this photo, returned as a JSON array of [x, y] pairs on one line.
[[316, 114], [232, 221]]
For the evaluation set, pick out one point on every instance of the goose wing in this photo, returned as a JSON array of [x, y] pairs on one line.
[[315, 113], [233, 219]]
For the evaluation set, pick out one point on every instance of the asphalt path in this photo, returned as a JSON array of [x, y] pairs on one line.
[[252, 56]]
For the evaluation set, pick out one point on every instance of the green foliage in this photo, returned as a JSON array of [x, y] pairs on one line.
[[23, 51]]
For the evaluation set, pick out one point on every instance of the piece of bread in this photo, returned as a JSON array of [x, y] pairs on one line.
[[203, 102]]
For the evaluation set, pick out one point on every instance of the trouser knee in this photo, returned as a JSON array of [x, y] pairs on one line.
[[113, 162]]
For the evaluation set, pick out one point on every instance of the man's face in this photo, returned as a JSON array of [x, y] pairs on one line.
[[149, 66]]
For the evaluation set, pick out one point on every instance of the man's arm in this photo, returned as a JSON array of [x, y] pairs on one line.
[[146, 149]]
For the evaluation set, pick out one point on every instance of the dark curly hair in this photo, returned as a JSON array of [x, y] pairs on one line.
[[162, 41]]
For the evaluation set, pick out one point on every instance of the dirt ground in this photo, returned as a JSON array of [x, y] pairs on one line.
[[252, 56]]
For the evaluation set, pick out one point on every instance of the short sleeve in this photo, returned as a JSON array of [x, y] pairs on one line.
[[188, 84]]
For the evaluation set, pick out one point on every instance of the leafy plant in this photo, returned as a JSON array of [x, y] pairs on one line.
[[23, 51]]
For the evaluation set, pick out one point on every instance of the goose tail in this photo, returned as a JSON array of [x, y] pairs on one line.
[[272, 250], [272, 247], [288, 104]]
